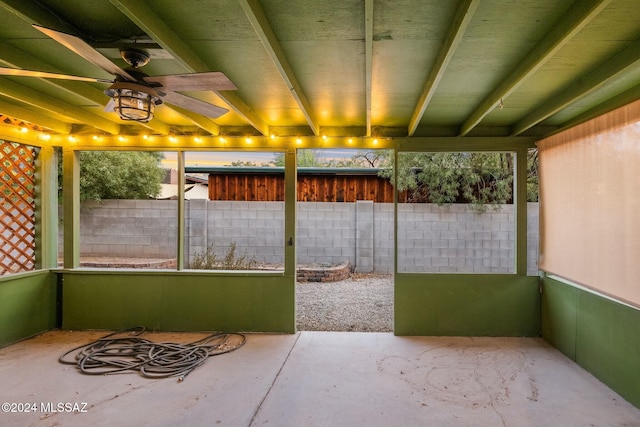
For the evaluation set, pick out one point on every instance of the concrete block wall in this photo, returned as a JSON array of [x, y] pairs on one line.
[[326, 233], [431, 238], [383, 237], [364, 236], [455, 239], [127, 228], [257, 228]]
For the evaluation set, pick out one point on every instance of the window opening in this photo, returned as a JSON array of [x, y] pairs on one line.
[[456, 212], [234, 211], [128, 215]]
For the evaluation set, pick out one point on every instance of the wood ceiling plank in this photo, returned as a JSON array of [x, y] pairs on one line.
[[33, 13], [580, 87], [561, 33], [260, 23], [199, 120], [166, 37], [368, 54], [462, 19], [45, 102], [40, 119]]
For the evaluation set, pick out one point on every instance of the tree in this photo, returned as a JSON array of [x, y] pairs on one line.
[[120, 175], [444, 178], [245, 163], [306, 158], [371, 159]]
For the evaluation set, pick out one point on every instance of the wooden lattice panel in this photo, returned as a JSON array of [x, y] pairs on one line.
[[17, 208]]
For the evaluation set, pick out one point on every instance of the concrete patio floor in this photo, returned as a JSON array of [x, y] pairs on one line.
[[319, 379]]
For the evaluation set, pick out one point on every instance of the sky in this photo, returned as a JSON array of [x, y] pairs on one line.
[[225, 158]]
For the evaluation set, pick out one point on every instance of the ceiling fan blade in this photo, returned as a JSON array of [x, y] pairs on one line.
[[196, 81], [41, 74], [110, 107], [195, 105], [83, 49]]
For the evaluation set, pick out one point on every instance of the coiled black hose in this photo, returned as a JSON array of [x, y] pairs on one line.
[[115, 353]]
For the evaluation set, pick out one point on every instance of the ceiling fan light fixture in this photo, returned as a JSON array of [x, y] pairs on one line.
[[133, 101]]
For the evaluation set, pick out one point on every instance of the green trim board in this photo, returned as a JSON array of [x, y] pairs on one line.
[[27, 305], [466, 305], [599, 334], [178, 301]]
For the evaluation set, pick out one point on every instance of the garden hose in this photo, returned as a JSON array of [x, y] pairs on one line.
[[114, 353]]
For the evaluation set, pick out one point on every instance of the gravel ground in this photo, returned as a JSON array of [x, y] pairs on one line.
[[362, 303]]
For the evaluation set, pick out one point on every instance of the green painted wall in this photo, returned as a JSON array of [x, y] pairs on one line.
[[178, 301], [27, 305], [466, 305], [599, 334]]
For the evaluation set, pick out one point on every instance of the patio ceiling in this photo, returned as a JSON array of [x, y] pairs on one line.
[[418, 68]]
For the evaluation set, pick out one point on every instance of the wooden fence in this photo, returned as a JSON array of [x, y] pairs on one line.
[[313, 186]]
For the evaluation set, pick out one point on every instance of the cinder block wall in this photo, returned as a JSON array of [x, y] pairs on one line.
[[127, 228], [326, 233], [431, 238], [455, 239], [257, 228]]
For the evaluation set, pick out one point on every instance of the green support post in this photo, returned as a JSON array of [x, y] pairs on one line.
[[71, 196], [290, 205], [181, 214], [47, 209], [520, 200]]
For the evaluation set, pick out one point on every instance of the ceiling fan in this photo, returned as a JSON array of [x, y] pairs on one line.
[[133, 93]]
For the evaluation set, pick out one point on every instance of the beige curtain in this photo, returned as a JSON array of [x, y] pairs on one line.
[[590, 204]]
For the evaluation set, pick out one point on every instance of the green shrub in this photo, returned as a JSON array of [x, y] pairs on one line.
[[209, 260]]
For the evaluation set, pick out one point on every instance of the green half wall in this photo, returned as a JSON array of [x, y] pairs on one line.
[[466, 305], [599, 334], [27, 305], [180, 301]]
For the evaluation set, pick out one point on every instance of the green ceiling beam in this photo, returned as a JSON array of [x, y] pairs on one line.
[[143, 16], [561, 33], [16, 58], [33, 13], [156, 126], [597, 78], [368, 60], [461, 20], [618, 101], [464, 144], [198, 120], [258, 19], [45, 102], [34, 117]]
